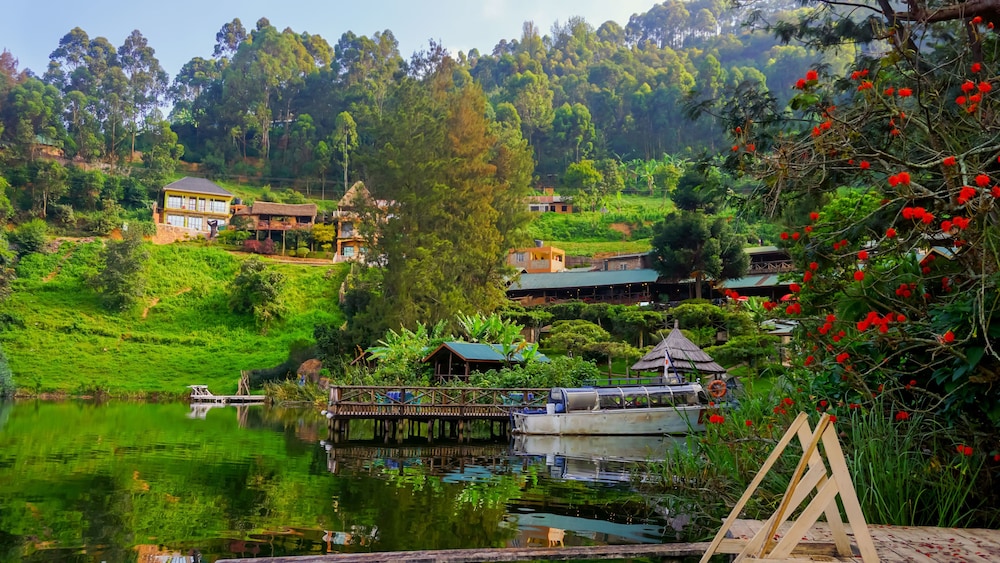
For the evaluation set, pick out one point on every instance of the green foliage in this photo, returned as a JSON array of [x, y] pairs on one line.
[[7, 387], [29, 237], [560, 371], [399, 354], [749, 349], [572, 337], [258, 290], [691, 244], [121, 280]]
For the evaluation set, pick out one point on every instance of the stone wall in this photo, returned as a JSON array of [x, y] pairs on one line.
[[166, 234]]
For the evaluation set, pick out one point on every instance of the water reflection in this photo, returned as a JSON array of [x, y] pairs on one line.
[[165, 482]]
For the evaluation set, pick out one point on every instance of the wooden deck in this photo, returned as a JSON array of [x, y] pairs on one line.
[[431, 403], [201, 394], [894, 545]]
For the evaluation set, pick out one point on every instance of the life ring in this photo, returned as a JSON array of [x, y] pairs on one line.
[[717, 388]]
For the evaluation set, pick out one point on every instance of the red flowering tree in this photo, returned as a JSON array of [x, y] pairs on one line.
[[889, 179]]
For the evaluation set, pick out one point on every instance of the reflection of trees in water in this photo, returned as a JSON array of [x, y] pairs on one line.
[[5, 408]]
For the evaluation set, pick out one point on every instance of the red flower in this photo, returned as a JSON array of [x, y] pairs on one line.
[[960, 100], [788, 401], [968, 86], [866, 85], [949, 337], [905, 92], [902, 415], [890, 232], [784, 236], [982, 180], [865, 165], [968, 192], [807, 277], [796, 235], [736, 148], [964, 450], [814, 216], [813, 266], [977, 20], [808, 228], [795, 288], [823, 403], [800, 84], [833, 418], [945, 226], [949, 161], [812, 75], [748, 422], [859, 275], [900, 318], [984, 87], [809, 360], [889, 91], [842, 357], [716, 419], [863, 255], [976, 67], [751, 147]]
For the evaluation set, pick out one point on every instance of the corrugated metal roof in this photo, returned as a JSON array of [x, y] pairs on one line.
[[762, 280], [197, 185], [569, 279], [478, 352]]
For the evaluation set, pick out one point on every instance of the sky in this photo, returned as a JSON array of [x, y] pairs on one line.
[[179, 30]]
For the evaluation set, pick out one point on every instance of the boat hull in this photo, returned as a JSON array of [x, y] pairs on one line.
[[618, 422]]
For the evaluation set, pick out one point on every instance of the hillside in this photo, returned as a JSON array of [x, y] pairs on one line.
[[63, 340]]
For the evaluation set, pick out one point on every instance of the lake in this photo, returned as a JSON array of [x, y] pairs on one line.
[[123, 481]]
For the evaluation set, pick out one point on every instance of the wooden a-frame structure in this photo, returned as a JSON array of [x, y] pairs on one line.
[[827, 485]]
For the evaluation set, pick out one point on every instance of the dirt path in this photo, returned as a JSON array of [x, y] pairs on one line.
[[157, 300]]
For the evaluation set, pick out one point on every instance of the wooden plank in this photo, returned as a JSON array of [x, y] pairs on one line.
[[498, 554]]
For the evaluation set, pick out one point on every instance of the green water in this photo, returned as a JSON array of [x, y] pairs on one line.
[[142, 482]]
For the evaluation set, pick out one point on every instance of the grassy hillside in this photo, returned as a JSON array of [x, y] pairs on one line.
[[63, 341]]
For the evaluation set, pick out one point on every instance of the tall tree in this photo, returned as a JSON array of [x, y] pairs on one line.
[[147, 81], [345, 137], [694, 245], [446, 174]]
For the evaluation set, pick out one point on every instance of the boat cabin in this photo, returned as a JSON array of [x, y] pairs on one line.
[[609, 398]]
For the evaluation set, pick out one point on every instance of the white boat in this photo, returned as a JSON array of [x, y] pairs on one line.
[[634, 410]]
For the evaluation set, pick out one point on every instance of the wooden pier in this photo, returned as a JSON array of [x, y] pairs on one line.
[[403, 409], [201, 394], [894, 544]]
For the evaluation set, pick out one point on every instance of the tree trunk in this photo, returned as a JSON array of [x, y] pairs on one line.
[[697, 285]]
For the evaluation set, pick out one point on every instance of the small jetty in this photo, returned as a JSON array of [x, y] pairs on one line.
[[450, 409], [201, 394]]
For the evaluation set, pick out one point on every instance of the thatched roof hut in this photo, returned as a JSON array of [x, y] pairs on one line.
[[686, 360]]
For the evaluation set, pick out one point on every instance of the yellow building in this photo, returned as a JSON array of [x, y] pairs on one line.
[[538, 259], [190, 203]]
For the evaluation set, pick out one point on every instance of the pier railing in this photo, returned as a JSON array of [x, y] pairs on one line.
[[402, 401]]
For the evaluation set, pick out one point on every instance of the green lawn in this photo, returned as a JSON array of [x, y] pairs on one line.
[[62, 340]]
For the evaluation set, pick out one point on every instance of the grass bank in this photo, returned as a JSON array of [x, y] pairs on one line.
[[59, 339]]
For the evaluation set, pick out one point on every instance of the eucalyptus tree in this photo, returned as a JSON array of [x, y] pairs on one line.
[[147, 81], [345, 137]]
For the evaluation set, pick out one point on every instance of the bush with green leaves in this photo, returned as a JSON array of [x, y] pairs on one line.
[[29, 237], [121, 280], [257, 290], [560, 371]]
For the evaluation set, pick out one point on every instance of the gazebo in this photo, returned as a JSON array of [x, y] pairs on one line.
[[679, 359]]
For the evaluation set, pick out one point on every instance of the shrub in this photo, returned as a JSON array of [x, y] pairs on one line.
[[29, 237]]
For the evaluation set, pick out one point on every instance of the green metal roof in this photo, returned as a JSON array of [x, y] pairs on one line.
[[569, 280], [762, 280], [476, 352]]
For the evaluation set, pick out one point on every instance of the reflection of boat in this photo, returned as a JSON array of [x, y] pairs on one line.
[[538, 525], [638, 410], [623, 448]]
